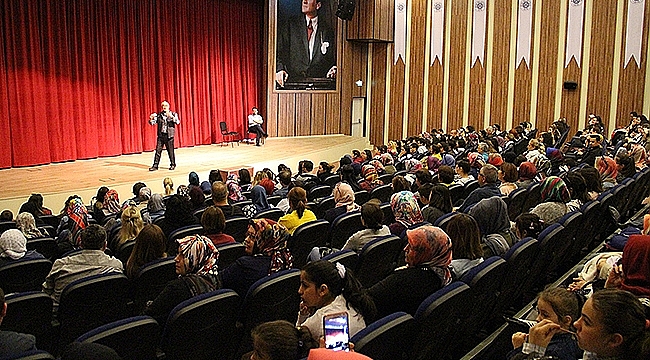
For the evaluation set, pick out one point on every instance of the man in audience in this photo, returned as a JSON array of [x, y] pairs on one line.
[[91, 260], [487, 179], [284, 179], [594, 149], [12, 343], [220, 200]]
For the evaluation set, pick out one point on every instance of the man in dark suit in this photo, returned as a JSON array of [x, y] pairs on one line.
[[167, 121], [306, 47]]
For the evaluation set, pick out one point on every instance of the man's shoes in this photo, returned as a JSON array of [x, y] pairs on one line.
[[258, 145], [172, 167], [153, 168]]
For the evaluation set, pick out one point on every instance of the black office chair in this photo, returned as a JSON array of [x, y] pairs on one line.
[[233, 135]]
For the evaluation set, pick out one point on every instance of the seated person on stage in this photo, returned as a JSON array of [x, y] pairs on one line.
[[255, 122], [428, 256], [220, 200], [12, 344], [91, 260], [266, 253]]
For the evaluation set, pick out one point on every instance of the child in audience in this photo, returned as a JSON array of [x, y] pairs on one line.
[[280, 340], [561, 308], [326, 288]]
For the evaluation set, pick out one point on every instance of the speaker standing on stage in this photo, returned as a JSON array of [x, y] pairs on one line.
[[255, 121], [167, 121]]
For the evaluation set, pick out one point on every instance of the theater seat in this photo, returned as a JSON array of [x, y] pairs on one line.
[[388, 338], [132, 338]]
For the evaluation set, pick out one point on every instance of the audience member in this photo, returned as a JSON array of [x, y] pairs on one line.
[[465, 237], [508, 176], [234, 190], [260, 203], [168, 184], [555, 195], [266, 253], [491, 215], [196, 265], [91, 260], [155, 207], [27, 225], [220, 200], [528, 225], [326, 288], [371, 218], [299, 213], [344, 199], [406, 210], [487, 179], [593, 181], [281, 340], [462, 170], [13, 246], [178, 214], [428, 255], [527, 173], [439, 203], [150, 245], [131, 225], [214, 223]]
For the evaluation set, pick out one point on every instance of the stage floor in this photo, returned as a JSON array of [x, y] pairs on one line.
[[83, 177]]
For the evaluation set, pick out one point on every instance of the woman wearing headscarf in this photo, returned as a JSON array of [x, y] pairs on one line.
[[428, 255], [197, 198], [260, 203], [379, 167], [527, 173], [27, 225], [606, 166], [178, 214], [491, 215], [406, 210], [371, 179], [234, 190], [639, 154], [633, 273], [476, 162], [344, 199], [74, 219], [266, 253], [155, 207], [193, 179], [196, 265], [388, 162], [557, 159], [13, 246], [433, 163], [555, 195]]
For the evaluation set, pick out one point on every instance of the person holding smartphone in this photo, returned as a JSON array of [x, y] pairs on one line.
[[326, 288]]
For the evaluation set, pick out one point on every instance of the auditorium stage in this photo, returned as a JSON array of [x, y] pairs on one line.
[[83, 177]]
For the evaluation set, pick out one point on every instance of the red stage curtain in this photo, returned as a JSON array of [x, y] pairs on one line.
[[79, 78]]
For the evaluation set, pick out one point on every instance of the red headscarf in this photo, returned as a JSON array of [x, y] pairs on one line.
[[433, 248], [636, 265]]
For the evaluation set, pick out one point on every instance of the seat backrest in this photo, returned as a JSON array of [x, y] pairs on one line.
[[132, 338], [34, 355], [229, 253], [325, 204], [305, 237], [274, 297], [224, 127], [29, 313], [318, 192], [332, 180], [124, 251], [45, 246], [382, 193], [24, 275], [386, 178], [274, 199], [533, 198], [172, 245], [90, 302], [349, 258], [151, 280], [442, 221], [361, 197], [6, 225], [440, 318], [203, 326], [237, 227], [343, 227], [516, 203], [378, 259], [274, 214], [51, 220], [389, 216], [456, 191], [386, 338], [159, 220], [519, 260], [469, 187]]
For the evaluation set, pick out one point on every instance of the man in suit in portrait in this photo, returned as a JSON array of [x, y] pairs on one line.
[[306, 47]]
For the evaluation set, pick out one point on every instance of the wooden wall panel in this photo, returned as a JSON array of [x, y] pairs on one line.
[[271, 118], [632, 78], [287, 114], [500, 61], [378, 93], [303, 114], [570, 98], [318, 114], [477, 96], [548, 55], [333, 114], [603, 38], [417, 50], [436, 87], [457, 60], [395, 122]]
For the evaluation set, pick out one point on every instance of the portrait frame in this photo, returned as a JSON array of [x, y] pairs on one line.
[[326, 49]]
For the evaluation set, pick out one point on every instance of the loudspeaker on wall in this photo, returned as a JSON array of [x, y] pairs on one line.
[[345, 10]]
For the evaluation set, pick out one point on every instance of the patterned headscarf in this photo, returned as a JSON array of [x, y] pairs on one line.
[[13, 244], [78, 213], [111, 202], [555, 155], [495, 159], [27, 225], [234, 190], [412, 165], [156, 203], [527, 171], [554, 190], [433, 163], [405, 208], [432, 248], [387, 159], [370, 174], [378, 166], [636, 265], [145, 194], [201, 254], [183, 191], [258, 195], [344, 196], [606, 167], [475, 160], [270, 239], [639, 154]]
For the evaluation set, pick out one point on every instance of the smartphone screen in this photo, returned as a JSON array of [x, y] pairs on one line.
[[337, 332]]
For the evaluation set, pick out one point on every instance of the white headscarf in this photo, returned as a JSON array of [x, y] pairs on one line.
[[13, 244]]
